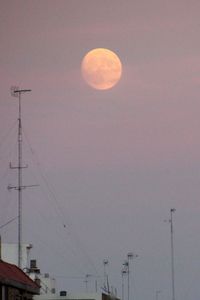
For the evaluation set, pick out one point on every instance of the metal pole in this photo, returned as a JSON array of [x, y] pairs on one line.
[[157, 292], [106, 283], [95, 285], [18, 92], [123, 272], [86, 283], [130, 256], [19, 185], [122, 286], [172, 210], [128, 279]]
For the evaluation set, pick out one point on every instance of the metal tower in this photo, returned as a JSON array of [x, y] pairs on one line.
[[16, 92]]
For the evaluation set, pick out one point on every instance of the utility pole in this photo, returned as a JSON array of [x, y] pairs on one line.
[[16, 92]]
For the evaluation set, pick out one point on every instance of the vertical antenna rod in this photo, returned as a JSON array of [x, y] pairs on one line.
[[123, 272], [106, 282], [130, 256], [17, 92], [172, 210]]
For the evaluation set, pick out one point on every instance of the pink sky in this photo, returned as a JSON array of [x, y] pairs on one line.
[[117, 160]]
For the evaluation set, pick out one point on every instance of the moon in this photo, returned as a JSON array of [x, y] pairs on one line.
[[101, 68]]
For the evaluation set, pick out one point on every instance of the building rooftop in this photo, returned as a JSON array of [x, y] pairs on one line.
[[14, 276]]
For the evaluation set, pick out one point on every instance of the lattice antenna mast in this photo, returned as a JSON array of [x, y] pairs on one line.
[[16, 92]]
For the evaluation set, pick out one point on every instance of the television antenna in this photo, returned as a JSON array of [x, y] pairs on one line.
[[17, 92]]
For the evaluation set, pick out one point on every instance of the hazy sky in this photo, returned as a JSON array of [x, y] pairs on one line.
[[110, 164]]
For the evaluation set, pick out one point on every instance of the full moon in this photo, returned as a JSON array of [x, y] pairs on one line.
[[101, 68]]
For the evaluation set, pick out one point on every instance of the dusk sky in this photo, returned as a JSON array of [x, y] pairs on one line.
[[110, 164]]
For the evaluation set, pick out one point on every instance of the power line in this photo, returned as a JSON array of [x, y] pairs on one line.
[[10, 221], [59, 209], [3, 139]]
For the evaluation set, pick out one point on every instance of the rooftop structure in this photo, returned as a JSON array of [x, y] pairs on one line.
[[63, 295], [9, 253], [15, 283]]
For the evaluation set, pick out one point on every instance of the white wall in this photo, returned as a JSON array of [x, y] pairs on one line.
[[9, 253], [94, 296]]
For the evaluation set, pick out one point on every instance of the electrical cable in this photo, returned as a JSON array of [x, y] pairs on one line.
[[10, 221], [58, 207]]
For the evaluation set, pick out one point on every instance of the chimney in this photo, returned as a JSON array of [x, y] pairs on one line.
[[33, 264], [33, 267]]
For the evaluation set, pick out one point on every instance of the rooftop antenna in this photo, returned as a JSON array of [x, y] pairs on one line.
[[16, 92], [86, 281], [123, 273], [106, 282], [126, 264], [172, 210]]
